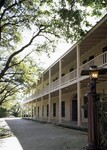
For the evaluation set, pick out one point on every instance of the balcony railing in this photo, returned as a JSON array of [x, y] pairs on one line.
[[100, 61], [69, 77], [46, 89], [54, 84]]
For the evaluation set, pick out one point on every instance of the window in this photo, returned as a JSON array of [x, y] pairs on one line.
[[63, 108], [56, 78], [54, 109], [91, 57], [104, 49], [47, 110], [104, 55], [84, 61], [63, 74], [71, 69]]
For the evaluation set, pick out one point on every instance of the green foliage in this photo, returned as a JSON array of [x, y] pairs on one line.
[[48, 21], [3, 112], [74, 15], [15, 110]]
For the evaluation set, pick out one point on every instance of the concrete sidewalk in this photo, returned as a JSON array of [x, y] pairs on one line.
[[7, 140]]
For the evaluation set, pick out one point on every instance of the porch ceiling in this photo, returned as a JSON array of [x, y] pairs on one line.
[[45, 97], [55, 68], [95, 36], [70, 57], [69, 89], [66, 90], [54, 94], [46, 75]]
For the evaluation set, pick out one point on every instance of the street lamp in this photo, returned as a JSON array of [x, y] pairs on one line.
[[92, 110], [93, 72]]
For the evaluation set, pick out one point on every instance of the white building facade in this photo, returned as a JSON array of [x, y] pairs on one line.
[[59, 95]]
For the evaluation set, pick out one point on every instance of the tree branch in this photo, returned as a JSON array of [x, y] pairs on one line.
[[8, 94], [3, 2], [15, 64], [3, 89], [7, 66]]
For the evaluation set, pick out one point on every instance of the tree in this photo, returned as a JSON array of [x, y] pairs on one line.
[[16, 79], [75, 15], [15, 110], [14, 16], [3, 112], [49, 20]]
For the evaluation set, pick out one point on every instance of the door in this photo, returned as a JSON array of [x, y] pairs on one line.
[[74, 110]]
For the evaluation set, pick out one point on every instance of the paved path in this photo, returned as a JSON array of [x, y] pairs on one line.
[[33, 135], [8, 141]]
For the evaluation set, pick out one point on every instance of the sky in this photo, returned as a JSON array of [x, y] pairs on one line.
[[60, 50], [42, 59]]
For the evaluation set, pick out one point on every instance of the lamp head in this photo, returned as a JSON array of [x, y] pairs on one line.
[[93, 72]]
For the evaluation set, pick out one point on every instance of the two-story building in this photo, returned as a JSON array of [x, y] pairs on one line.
[[59, 95]]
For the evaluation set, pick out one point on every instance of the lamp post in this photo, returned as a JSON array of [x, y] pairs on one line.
[[93, 72], [92, 110]]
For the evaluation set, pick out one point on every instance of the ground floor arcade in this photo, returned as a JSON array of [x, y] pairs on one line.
[[64, 105]]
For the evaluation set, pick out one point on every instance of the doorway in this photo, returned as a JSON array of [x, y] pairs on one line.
[[74, 109]]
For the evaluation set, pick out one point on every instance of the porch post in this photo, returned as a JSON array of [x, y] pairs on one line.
[[49, 98], [36, 109], [60, 91], [79, 103], [49, 107], [60, 106], [78, 88], [41, 108], [32, 109], [42, 101], [28, 109]]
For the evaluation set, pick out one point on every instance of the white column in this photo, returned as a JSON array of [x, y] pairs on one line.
[[42, 101], [32, 109], [60, 91], [49, 104], [49, 97], [60, 106], [78, 87], [41, 108], [28, 109], [36, 110]]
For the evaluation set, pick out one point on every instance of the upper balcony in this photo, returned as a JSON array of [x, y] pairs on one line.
[[100, 61]]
